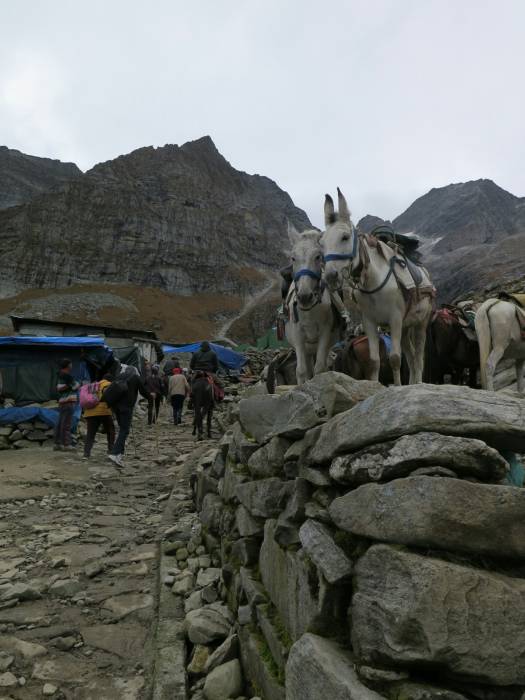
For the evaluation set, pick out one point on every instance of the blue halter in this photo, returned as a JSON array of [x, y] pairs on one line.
[[344, 256], [305, 272]]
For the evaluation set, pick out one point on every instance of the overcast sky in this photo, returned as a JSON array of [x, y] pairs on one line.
[[385, 98]]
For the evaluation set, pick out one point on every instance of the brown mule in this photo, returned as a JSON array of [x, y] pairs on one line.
[[449, 351]]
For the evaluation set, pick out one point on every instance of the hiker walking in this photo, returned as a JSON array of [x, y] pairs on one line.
[[153, 385], [121, 396], [170, 364], [178, 389], [67, 401], [99, 415], [205, 359]]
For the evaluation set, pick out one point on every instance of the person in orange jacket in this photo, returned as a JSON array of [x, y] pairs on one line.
[[95, 417]]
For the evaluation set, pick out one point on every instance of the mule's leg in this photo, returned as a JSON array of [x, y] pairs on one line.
[[520, 365], [396, 334], [210, 415], [492, 363], [373, 348], [323, 348], [419, 335], [407, 345], [302, 365], [198, 420]]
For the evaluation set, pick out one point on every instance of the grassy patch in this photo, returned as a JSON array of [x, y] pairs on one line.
[[266, 656]]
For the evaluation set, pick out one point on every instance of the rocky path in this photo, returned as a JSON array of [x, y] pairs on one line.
[[80, 579]]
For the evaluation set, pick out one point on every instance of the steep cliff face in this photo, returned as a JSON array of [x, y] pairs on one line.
[[472, 236], [179, 218], [466, 213], [24, 177]]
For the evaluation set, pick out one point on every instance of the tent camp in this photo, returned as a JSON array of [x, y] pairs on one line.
[[229, 359], [29, 364]]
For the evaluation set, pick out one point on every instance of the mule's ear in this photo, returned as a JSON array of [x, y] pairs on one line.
[[344, 211], [329, 211], [293, 234]]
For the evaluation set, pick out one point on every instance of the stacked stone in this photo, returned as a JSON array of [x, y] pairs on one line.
[[28, 434], [368, 543]]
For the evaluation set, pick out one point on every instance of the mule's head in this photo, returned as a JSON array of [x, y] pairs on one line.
[[339, 240], [307, 264]]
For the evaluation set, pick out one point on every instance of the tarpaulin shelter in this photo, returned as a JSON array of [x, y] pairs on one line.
[[29, 364], [130, 355], [229, 359]]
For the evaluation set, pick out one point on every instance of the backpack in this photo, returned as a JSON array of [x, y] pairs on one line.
[[114, 392], [89, 397]]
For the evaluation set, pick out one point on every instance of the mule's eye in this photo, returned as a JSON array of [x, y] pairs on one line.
[[318, 257], [345, 238], [293, 259]]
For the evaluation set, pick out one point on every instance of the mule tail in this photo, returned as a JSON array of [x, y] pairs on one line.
[[271, 379], [482, 324]]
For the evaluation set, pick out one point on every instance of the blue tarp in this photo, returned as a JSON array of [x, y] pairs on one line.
[[228, 358], [84, 341], [29, 413], [29, 364]]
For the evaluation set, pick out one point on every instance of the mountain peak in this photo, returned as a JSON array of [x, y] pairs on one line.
[[23, 177], [463, 213]]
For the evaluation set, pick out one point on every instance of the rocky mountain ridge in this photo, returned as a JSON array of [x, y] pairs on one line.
[[23, 177], [472, 235], [183, 221], [178, 217]]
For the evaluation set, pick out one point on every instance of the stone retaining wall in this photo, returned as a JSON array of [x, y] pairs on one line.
[[367, 542], [27, 434]]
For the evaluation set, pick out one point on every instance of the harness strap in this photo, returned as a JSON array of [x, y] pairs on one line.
[[305, 272], [344, 256], [392, 262]]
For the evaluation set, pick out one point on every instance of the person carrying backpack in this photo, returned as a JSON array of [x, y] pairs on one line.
[[99, 414], [67, 388], [125, 388], [178, 390]]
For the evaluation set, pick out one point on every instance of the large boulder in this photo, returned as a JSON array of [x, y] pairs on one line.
[[208, 624], [319, 668], [261, 498], [257, 415], [398, 458], [224, 681], [329, 558], [268, 460], [444, 513], [241, 447], [304, 407], [247, 525], [287, 577], [303, 598], [410, 610], [497, 419]]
